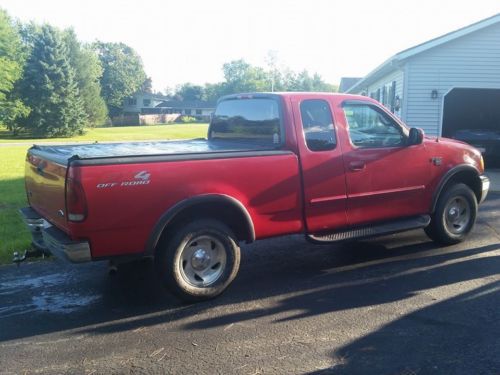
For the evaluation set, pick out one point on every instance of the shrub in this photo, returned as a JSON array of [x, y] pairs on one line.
[[186, 119]]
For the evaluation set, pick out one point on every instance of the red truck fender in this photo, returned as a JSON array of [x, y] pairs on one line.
[[463, 173], [215, 206]]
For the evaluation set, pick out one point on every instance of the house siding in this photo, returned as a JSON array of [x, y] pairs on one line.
[[471, 61], [397, 76]]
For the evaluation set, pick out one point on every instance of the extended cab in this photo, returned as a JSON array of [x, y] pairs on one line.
[[333, 167]]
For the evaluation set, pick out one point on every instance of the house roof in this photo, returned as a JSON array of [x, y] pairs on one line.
[[347, 82], [395, 61], [190, 104]]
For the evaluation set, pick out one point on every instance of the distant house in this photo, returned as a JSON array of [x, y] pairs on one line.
[[448, 83], [199, 109], [142, 101], [154, 104]]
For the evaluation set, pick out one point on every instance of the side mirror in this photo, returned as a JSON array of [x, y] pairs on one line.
[[415, 137]]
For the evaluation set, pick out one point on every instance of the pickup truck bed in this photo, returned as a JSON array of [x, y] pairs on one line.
[[61, 154]]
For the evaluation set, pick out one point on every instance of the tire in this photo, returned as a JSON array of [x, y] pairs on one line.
[[454, 217], [199, 261]]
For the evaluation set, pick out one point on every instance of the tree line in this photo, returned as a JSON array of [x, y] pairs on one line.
[[53, 85], [240, 76]]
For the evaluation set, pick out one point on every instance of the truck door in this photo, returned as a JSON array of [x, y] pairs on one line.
[[321, 164], [386, 179]]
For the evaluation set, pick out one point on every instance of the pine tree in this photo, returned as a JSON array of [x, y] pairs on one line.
[[88, 71], [50, 89]]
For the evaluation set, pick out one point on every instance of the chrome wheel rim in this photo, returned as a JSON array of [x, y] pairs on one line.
[[202, 261], [457, 215]]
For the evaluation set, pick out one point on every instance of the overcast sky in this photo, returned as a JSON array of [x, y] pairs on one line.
[[189, 40]]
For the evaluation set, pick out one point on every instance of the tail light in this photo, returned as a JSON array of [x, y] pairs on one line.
[[76, 203]]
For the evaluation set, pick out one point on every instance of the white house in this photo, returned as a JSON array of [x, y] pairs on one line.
[[448, 83], [141, 100], [199, 109]]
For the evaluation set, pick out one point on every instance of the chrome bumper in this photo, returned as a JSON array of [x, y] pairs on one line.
[[46, 237], [485, 186]]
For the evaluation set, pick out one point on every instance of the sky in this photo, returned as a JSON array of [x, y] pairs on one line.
[[189, 40]]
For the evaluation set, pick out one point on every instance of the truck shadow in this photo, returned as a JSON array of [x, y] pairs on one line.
[[455, 336], [51, 297]]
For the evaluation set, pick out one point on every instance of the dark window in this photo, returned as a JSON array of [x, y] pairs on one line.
[[187, 111], [317, 122], [255, 120], [393, 96], [370, 127], [132, 101], [146, 102], [198, 111]]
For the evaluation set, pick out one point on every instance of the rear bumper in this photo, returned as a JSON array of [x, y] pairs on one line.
[[46, 237], [485, 187]]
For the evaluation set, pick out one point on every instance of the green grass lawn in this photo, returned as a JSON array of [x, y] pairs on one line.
[[13, 235], [121, 133]]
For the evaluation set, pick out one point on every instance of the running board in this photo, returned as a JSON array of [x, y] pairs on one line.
[[372, 230]]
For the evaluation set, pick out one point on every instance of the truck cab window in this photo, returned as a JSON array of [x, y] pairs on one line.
[[370, 127], [317, 123], [251, 120]]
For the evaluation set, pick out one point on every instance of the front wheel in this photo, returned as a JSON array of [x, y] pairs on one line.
[[455, 215], [199, 261]]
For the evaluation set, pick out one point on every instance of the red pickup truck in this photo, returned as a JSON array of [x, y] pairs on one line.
[[333, 167]]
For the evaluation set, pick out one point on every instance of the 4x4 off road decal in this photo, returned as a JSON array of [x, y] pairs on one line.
[[141, 178]]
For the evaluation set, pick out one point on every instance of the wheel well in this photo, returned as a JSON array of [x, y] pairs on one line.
[[226, 212], [468, 177]]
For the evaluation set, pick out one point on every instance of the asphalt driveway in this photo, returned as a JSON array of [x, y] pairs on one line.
[[395, 305]]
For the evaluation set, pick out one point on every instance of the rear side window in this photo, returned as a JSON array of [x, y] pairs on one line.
[[317, 122], [255, 120]]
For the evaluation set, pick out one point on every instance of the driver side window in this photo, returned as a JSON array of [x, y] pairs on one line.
[[370, 127]]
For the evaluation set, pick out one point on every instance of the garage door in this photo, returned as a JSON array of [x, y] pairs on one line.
[[473, 115]]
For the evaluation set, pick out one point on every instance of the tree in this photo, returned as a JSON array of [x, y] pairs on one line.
[[242, 77], [213, 91], [50, 89], [188, 91], [147, 86], [11, 63], [123, 73], [88, 72]]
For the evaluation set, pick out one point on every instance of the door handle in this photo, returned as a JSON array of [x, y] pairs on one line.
[[357, 165]]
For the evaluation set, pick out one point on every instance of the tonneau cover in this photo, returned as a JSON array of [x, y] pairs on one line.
[[62, 153]]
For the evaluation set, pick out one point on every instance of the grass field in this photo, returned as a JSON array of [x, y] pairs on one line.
[[122, 133], [13, 234]]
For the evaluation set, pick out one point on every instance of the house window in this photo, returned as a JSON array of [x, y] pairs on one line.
[[187, 111], [146, 102], [198, 111], [132, 101], [392, 96]]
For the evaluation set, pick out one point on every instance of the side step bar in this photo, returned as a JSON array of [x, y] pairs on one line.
[[372, 230]]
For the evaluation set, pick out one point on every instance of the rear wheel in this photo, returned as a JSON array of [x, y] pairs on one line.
[[199, 261], [455, 215]]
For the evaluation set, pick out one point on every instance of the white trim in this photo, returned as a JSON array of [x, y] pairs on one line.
[[448, 37], [394, 61], [406, 76]]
